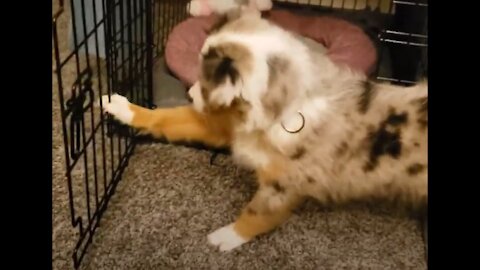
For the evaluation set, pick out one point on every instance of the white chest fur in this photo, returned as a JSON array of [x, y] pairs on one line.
[[249, 151], [255, 151]]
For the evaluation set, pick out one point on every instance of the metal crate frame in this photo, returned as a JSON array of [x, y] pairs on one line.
[[113, 52]]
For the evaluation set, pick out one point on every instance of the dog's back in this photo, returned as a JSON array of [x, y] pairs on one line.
[[371, 142]]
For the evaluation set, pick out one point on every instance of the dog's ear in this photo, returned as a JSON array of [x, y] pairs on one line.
[[218, 67]]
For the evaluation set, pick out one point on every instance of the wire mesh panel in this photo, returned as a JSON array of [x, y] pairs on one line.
[[110, 51], [166, 14], [382, 6], [112, 47], [406, 41], [397, 27]]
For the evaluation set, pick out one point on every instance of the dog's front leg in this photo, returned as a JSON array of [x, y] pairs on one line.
[[270, 207], [176, 124]]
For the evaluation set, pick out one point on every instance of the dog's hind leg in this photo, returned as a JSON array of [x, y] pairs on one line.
[[271, 206]]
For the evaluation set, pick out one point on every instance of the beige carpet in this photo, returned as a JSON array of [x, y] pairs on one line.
[[170, 198]]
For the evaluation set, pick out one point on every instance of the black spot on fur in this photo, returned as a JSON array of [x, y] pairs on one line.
[[415, 169], [274, 106], [385, 140], [422, 110], [299, 153], [416, 144], [384, 143], [397, 119], [366, 97], [278, 187], [369, 166], [274, 101], [342, 149], [310, 180], [251, 211], [422, 123], [276, 66]]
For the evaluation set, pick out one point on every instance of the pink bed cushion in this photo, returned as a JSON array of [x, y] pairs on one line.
[[183, 47], [346, 43]]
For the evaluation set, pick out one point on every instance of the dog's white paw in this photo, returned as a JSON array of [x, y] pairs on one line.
[[226, 238], [119, 107]]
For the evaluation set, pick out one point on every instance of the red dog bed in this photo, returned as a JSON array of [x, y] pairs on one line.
[[345, 43]]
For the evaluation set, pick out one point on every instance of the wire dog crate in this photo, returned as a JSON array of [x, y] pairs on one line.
[[113, 46]]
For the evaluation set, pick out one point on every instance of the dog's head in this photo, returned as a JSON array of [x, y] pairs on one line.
[[251, 67], [233, 73]]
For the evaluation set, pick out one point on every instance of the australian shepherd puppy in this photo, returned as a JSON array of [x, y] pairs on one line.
[[308, 127]]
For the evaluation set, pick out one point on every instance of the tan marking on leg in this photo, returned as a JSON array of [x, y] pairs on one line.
[[183, 123], [259, 217]]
